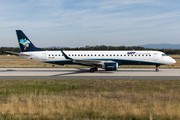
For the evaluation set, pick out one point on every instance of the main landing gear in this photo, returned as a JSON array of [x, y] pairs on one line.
[[93, 68], [157, 68]]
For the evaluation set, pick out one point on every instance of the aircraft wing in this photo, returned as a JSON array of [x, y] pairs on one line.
[[87, 62]]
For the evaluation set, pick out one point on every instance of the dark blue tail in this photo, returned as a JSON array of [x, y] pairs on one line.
[[24, 43]]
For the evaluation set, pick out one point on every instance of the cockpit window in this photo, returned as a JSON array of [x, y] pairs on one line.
[[164, 55]]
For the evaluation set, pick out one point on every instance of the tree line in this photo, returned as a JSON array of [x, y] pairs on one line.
[[97, 47]]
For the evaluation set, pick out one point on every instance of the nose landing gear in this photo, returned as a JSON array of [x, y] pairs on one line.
[[157, 68]]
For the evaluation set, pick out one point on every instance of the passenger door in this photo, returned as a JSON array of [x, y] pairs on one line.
[[44, 56], [155, 56]]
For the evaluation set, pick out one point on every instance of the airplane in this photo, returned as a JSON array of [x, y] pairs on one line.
[[108, 60]]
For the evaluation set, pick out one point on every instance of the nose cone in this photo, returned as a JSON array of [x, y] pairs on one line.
[[173, 61]]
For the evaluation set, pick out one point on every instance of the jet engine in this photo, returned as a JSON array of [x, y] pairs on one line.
[[110, 66]]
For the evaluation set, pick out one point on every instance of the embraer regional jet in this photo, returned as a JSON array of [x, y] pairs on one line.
[[108, 60]]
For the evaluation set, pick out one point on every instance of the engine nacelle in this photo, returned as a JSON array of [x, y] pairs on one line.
[[110, 66]]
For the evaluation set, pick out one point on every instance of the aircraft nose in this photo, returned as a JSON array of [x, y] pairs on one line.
[[173, 61]]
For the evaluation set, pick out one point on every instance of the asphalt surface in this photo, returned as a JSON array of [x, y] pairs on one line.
[[83, 73]]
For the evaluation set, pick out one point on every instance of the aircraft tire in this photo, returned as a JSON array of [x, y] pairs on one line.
[[95, 69], [92, 70]]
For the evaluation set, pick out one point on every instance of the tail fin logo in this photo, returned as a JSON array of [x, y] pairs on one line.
[[25, 43]]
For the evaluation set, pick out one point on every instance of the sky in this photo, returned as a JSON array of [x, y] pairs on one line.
[[77, 23]]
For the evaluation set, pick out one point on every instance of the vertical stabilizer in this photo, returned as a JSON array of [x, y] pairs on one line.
[[25, 44]]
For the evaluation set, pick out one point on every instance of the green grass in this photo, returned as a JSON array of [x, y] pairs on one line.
[[90, 99], [29, 86]]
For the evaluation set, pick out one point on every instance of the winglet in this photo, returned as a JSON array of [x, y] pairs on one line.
[[66, 55]]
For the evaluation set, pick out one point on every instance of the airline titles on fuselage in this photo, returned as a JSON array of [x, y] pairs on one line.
[[134, 53]]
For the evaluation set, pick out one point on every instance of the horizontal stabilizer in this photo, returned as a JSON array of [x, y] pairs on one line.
[[17, 54]]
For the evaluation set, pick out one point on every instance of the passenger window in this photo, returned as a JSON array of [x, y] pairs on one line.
[[72, 55], [88, 54], [106, 54], [91, 54], [117, 54], [49, 55], [52, 54], [99, 54], [131, 55], [110, 55], [102, 54], [84, 54], [56, 55]]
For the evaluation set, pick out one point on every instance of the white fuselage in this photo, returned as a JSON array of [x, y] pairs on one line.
[[122, 57]]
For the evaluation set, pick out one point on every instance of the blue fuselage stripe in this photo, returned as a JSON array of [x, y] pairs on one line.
[[119, 61]]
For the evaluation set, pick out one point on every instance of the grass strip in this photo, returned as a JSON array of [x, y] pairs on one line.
[[90, 99]]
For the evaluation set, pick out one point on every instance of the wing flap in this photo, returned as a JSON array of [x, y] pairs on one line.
[[88, 62], [92, 62]]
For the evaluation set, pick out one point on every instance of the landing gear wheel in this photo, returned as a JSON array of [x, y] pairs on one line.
[[157, 70], [92, 70], [95, 69]]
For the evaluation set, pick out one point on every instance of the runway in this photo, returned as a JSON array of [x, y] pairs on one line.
[[83, 73]]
